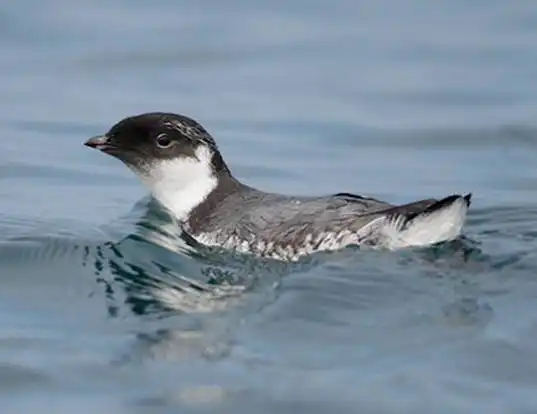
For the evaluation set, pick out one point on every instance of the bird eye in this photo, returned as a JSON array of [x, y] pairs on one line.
[[163, 141]]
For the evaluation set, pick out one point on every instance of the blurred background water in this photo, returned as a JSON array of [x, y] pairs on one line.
[[103, 306]]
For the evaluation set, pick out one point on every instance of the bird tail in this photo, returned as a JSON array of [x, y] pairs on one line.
[[440, 221]]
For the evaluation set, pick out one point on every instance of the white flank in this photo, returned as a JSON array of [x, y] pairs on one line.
[[426, 229], [182, 183]]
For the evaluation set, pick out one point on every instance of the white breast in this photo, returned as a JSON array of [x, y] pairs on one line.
[[182, 183]]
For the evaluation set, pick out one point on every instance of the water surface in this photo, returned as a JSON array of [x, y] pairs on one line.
[[104, 307]]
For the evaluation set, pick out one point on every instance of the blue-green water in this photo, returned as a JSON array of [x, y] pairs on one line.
[[101, 306]]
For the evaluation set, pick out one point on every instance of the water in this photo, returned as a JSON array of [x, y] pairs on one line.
[[103, 306]]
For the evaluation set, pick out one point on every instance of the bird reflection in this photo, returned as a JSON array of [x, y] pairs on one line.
[[162, 270]]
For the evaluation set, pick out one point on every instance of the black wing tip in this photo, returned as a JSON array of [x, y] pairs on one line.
[[468, 199], [448, 201], [435, 206]]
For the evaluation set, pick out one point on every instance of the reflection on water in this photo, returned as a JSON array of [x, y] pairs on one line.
[[161, 270], [202, 304]]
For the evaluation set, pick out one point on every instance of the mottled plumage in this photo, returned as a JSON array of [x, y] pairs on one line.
[[180, 163]]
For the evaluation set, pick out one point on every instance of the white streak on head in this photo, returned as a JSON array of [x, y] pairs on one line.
[[181, 184]]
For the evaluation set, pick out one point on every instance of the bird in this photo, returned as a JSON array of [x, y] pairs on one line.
[[178, 160]]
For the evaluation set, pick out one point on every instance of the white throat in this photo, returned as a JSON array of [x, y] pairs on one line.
[[181, 184]]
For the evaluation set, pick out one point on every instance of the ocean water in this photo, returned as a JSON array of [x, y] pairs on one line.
[[104, 307]]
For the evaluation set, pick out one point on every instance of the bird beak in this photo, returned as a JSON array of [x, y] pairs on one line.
[[100, 142]]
